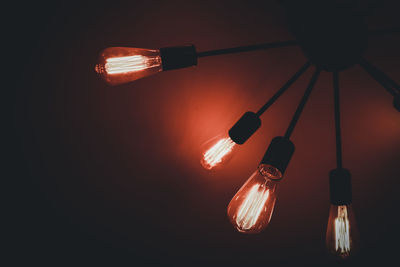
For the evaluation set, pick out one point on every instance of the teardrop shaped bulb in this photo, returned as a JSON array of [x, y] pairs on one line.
[[217, 152], [118, 65], [250, 210], [342, 238]]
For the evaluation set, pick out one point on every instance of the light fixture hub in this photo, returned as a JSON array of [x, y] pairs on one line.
[[332, 34]]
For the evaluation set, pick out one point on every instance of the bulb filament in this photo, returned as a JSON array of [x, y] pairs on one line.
[[215, 154], [251, 208], [118, 65], [342, 231]]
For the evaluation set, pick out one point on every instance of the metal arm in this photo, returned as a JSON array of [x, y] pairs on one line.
[[302, 103], [245, 48], [284, 88], [381, 77], [337, 120]]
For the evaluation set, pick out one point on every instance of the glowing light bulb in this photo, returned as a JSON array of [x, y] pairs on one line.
[[250, 210], [217, 152], [341, 233], [119, 65], [123, 64]]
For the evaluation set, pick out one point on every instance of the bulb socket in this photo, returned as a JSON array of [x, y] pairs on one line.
[[279, 153], [396, 102], [177, 57], [245, 127], [340, 187]]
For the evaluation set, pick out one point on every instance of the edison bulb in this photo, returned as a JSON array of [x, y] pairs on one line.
[[342, 235], [119, 65], [217, 152], [250, 210]]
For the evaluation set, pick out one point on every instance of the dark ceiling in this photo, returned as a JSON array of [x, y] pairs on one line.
[[111, 175]]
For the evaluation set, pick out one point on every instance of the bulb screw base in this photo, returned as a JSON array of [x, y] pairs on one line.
[[340, 187], [396, 102], [279, 153], [245, 127], [177, 57]]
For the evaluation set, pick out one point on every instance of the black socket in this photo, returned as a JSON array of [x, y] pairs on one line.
[[244, 127], [396, 102], [340, 187], [177, 57], [279, 153]]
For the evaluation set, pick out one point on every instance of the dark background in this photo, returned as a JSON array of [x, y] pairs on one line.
[[111, 176]]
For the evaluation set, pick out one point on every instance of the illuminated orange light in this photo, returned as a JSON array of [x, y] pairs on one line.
[[214, 156], [117, 65], [342, 238], [342, 231], [250, 210]]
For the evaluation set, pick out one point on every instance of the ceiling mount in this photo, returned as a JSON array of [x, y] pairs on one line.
[[333, 36]]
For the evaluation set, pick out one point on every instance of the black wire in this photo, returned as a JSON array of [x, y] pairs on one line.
[[337, 119], [384, 80], [245, 48], [284, 88], [302, 103]]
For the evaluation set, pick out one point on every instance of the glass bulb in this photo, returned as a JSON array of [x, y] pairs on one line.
[[217, 152], [250, 210], [119, 65], [341, 233]]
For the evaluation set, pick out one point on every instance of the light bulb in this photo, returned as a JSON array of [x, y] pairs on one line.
[[250, 210], [217, 152], [342, 239], [119, 65], [341, 233]]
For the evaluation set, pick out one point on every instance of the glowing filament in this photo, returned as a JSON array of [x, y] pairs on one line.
[[117, 65], [342, 231], [214, 155], [251, 208]]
